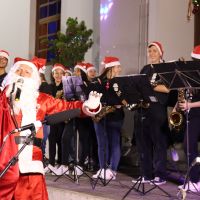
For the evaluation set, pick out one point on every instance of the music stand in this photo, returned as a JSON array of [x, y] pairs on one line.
[[73, 90], [136, 90], [120, 86], [181, 75], [133, 88]]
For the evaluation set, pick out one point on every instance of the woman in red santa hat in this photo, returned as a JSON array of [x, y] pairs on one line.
[[32, 106], [91, 72], [151, 135], [108, 129], [58, 71]]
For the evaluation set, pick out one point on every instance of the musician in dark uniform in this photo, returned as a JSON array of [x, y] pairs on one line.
[[56, 130], [108, 129], [193, 106], [4, 59], [150, 132]]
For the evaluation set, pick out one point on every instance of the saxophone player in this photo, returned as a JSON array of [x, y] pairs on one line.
[[151, 133], [191, 142], [108, 129]]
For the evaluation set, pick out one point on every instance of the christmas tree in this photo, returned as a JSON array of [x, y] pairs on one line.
[[70, 48], [196, 6]]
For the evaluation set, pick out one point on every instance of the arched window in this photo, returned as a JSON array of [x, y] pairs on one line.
[[47, 25]]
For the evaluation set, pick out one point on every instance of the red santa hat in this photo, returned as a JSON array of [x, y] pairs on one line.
[[158, 46], [67, 69], [196, 52], [40, 64], [110, 61], [5, 54], [36, 63], [89, 66], [58, 66], [81, 66]]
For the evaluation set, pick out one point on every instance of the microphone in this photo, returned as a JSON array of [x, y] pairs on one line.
[[18, 93], [37, 124], [196, 161]]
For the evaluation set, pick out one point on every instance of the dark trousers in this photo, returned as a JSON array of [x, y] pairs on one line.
[[151, 140], [108, 137], [83, 128], [46, 132], [55, 139], [68, 154], [87, 139], [194, 133], [78, 131]]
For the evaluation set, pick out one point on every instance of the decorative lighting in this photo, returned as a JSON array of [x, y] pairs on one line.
[[104, 9]]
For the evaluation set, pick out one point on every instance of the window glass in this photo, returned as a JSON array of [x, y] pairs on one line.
[[52, 27], [43, 12], [52, 9], [48, 24]]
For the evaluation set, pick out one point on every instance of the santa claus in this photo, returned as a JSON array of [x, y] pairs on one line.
[[28, 106]]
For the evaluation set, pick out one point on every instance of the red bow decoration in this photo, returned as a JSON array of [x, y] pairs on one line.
[[39, 62]]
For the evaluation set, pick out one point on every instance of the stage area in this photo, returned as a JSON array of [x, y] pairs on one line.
[[66, 189]]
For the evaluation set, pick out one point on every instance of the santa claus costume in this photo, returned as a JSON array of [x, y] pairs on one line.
[[31, 107]]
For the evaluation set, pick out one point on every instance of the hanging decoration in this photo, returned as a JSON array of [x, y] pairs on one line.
[[193, 8]]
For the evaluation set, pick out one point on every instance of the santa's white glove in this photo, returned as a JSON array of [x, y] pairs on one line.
[[92, 106]]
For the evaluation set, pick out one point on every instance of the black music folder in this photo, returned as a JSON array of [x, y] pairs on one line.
[[134, 88], [179, 74]]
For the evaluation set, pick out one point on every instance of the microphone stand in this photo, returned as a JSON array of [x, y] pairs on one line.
[[139, 185], [14, 159], [183, 191]]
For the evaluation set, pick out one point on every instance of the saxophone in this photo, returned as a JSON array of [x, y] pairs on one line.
[[176, 118], [104, 111]]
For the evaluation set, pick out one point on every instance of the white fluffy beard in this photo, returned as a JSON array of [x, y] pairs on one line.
[[28, 100]]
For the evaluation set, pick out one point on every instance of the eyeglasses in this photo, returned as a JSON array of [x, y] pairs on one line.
[[3, 58]]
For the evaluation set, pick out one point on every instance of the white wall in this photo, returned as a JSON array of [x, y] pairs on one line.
[[83, 10], [15, 24], [122, 33], [168, 24]]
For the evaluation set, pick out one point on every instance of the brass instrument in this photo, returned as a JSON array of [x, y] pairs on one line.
[[59, 94], [108, 109], [176, 118], [104, 111]]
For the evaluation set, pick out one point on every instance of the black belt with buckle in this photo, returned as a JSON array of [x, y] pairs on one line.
[[31, 141]]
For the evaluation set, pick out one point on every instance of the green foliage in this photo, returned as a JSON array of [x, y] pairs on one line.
[[196, 2], [70, 48], [196, 6]]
